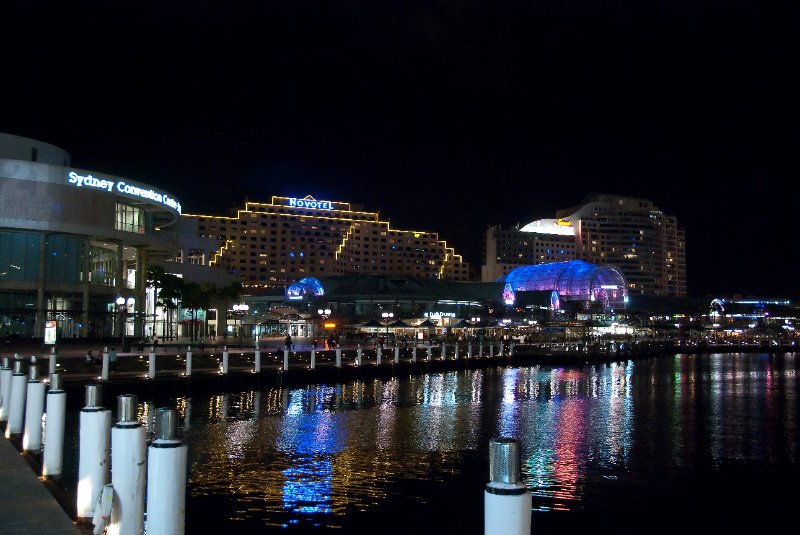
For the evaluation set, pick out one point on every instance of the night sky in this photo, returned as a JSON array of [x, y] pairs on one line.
[[442, 115]]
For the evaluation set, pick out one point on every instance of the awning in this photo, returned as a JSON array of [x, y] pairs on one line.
[[399, 323], [373, 323], [462, 324], [427, 323]]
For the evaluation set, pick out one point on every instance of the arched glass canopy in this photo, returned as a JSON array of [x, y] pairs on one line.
[[575, 280]]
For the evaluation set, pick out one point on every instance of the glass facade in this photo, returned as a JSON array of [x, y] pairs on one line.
[[19, 256], [574, 280]]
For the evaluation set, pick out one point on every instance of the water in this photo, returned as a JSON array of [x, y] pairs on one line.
[[689, 444]]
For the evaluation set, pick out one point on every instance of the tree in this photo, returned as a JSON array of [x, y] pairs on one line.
[[155, 276], [227, 294], [195, 297], [171, 293]]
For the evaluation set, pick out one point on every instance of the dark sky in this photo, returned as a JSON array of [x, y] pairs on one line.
[[441, 115]]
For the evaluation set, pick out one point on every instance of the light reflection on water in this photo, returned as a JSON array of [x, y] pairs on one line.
[[607, 436]]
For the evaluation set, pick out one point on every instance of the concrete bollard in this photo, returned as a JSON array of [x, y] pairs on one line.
[[480, 350], [151, 364], [34, 409], [511, 349], [338, 357], [358, 356], [396, 354], [286, 360], [257, 363], [378, 356], [491, 349], [430, 353], [313, 358], [128, 469], [6, 373], [188, 361], [166, 478], [52, 363], [469, 351], [225, 360], [455, 351], [53, 458], [507, 501], [444, 351], [414, 353], [93, 456], [16, 406]]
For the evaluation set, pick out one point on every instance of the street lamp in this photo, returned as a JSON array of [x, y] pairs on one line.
[[122, 308], [240, 311], [323, 313], [386, 317]]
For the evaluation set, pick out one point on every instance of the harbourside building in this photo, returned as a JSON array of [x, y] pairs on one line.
[[272, 245], [644, 244], [75, 242]]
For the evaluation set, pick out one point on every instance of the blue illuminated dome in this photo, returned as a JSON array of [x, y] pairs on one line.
[[575, 280], [308, 286]]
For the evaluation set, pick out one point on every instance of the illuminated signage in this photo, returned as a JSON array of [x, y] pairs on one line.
[[104, 184], [440, 314], [564, 223], [50, 332], [310, 202]]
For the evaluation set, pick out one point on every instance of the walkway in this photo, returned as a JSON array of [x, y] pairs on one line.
[[26, 505]]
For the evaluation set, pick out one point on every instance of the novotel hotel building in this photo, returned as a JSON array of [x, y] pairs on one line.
[[272, 245], [73, 242]]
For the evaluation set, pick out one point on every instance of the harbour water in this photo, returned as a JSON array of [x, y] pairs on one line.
[[686, 443]]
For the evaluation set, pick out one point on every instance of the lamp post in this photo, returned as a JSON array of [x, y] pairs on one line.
[[324, 313], [122, 308], [386, 317], [240, 311]]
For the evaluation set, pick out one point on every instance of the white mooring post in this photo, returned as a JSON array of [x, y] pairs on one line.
[[93, 453], [491, 349], [396, 354], [34, 409], [6, 373], [414, 353], [444, 351], [257, 363], [507, 501], [469, 350], [128, 469], [52, 364], [188, 361], [358, 356], [338, 356], [225, 360], [104, 373], [151, 373], [430, 352], [286, 360], [455, 351], [53, 462], [480, 350], [511, 349], [16, 405], [313, 358], [166, 478]]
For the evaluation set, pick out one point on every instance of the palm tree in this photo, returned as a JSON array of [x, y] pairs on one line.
[[155, 275], [195, 297], [171, 292], [228, 293]]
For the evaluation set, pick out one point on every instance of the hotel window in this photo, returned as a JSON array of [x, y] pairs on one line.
[[129, 219]]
